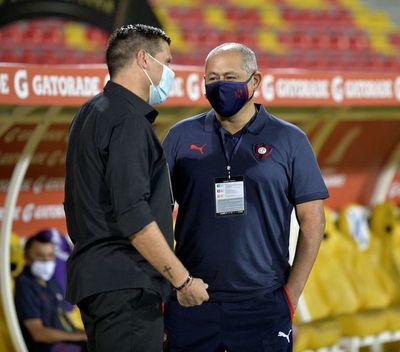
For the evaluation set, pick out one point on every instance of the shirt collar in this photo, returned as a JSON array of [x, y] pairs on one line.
[[255, 126], [138, 103]]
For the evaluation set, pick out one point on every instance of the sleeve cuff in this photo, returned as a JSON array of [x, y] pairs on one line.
[[310, 197], [134, 219]]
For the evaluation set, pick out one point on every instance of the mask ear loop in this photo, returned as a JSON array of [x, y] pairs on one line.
[[151, 81], [247, 82], [148, 76]]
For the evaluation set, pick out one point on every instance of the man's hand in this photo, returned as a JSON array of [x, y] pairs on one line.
[[194, 294], [79, 336], [44, 334]]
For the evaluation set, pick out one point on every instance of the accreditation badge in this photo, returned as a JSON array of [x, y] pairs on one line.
[[229, 196]]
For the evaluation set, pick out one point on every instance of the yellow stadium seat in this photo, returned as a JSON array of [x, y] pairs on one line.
[[216, 17], [5, 340], [336, 285], [384, 227], [308, 4], [76, 319], [342, 281], [317, 334], [312, 305], [395, 240], [16, 255], [75, 36], [268, 41], [323, 333], [173, 30], [272, 18], [353, 223], [301, 333], [17, 260], [364, 323], [381, 44], [355, 5], [316, 328], [257, 4], [367, 278]]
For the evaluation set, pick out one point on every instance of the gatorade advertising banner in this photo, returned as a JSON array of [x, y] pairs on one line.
[[40, 202], [72, 85]]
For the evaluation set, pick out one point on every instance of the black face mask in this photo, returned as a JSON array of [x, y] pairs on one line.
[[227, 97]]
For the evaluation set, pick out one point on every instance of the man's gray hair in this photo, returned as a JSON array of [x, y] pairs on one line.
[[249, 61]]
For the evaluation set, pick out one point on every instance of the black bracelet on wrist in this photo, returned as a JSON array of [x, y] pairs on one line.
[[185, 284]]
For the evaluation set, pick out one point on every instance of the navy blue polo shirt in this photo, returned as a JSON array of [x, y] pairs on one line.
[[34, 301], [244, 255]]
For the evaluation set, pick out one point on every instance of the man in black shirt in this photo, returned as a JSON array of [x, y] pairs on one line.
[[118, 202]]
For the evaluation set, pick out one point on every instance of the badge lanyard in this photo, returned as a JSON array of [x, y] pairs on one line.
[[228, 157], [229, 191]]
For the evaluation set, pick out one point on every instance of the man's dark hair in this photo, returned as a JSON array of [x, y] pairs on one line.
[[126, 41], [41, 237]]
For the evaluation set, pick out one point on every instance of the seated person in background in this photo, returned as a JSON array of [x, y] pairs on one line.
[[40, 302]]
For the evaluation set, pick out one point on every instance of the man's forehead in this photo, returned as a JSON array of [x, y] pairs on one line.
[[39, 246], [226, 61]]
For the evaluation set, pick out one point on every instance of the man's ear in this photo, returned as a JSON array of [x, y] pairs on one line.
[[142, 59], [256, 81], [28, 260]]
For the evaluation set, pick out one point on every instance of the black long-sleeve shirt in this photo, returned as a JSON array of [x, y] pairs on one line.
[[116, 183]]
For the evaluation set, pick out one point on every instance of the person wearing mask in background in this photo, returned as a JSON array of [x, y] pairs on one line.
[[237, 173], [118, 202], [39, 301]]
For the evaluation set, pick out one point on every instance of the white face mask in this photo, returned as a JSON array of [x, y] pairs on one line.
[[159, 93], [43, 269]]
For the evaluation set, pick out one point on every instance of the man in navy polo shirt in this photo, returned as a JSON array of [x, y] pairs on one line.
[[40, 304], [237, 173]]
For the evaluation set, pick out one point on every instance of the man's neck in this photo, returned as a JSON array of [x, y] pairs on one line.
[[236, 122], [41, 282], [135, 86]]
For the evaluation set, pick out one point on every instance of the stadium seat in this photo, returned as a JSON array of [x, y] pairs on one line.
[[5, 340], [366, 277], [75, 318], [16, 255], [395, 239], [317, 334], [384, 227], [316, 327], [335, 284]]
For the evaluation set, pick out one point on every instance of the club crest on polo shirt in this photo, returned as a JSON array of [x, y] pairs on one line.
[[262, 151]]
